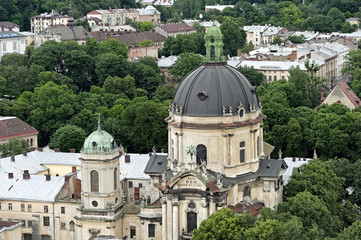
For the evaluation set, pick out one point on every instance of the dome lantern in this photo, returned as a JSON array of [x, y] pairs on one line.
[[214, 45]]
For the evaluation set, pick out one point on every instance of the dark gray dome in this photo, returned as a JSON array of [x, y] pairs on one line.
[[214, 89]]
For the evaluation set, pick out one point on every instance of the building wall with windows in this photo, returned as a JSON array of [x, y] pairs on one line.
[[12, 42]]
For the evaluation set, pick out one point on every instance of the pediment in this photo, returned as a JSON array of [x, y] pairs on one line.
[[188, 181]]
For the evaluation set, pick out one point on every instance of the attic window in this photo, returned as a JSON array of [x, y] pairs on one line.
[[212, 40], [94, 144], [202, 96], [160, 163]]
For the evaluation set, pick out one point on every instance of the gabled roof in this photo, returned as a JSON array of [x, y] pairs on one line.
[[6, 225], [8, 24], [14, 127], [135, 168], [347, 91], [36, 188], [129, 38], [34, 161], [66, 33], [177, 27]]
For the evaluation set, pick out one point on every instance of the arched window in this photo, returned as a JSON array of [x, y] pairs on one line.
[[31, 142], [115, 178], [247, 192], [94, 181], [191, 221], [258, 146], [71, 226], [201, 154], [212, 53]]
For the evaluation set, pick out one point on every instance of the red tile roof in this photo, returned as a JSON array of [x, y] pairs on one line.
[[13, 127], [129, 38], [252, 208], [349, 93], [177, 27], [7, 224]]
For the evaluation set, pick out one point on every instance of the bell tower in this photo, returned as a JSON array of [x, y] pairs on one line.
[[214, 45], [100, 195]]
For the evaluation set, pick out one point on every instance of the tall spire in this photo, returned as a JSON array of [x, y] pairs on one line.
[[99, 129], [214, 45]]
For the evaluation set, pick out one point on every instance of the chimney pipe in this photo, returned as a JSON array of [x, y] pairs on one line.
[[150, 154], [47, 177], [162, 150], [127, 158], [25, 153], [72, 150], [57, 149], [32, 149], [40, 149], [11, 175], [26, 175], [73, 169], [12, 158]]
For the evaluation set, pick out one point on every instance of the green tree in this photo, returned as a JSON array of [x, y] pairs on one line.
[[318, 179], [145, 77], [185, 63], [315, 215], [352, 232], [53, 106], [254, 77], [233, 37], [13, 59], [277, 40], [223, 224], [110, 64], [143, 126], [112, 45], [14, 147], [144, 43], [146, 26], [296, 39], [68, 137]]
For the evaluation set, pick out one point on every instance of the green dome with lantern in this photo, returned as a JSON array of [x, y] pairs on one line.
[[99, 142], [214, 45]]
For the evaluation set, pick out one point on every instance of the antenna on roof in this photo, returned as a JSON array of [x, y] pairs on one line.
[[99, 129]]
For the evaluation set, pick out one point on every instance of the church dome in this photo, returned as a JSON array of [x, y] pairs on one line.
[[99, 141], [215, 89]]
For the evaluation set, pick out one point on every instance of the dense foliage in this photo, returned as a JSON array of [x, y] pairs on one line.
[[62, 84]]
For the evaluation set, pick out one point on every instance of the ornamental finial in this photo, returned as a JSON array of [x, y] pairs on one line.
[[99, 129]]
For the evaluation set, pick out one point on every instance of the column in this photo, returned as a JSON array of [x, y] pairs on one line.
[[225, 160], [169, 220], [204, 205], [231, 148], [261, 140], [79, 231], [181, 150], [175, 221], [176, 150], [211, 207], [169, 142], [164, 218]]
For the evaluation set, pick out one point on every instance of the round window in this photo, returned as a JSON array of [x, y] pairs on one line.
[[95, 203], [191, 205], [212, 40]]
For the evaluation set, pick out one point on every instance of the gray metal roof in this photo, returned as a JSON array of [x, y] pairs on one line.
[[156, 164], [10, 34], [34, 189], [224, 87]]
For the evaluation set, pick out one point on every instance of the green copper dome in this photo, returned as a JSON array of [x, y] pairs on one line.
[[99, 141], [214, 45]]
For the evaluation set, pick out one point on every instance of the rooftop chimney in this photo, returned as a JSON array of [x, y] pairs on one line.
[[73, 169], [26, 175], [72, 150], [11, 175], [32, 149], [47, 177], [40, 149], [57, 149], [12, 158], [25, 153], [162, 150], [127, 158], [150, 154]]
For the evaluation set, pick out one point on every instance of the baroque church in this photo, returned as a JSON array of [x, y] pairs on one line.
[[215, 159]]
